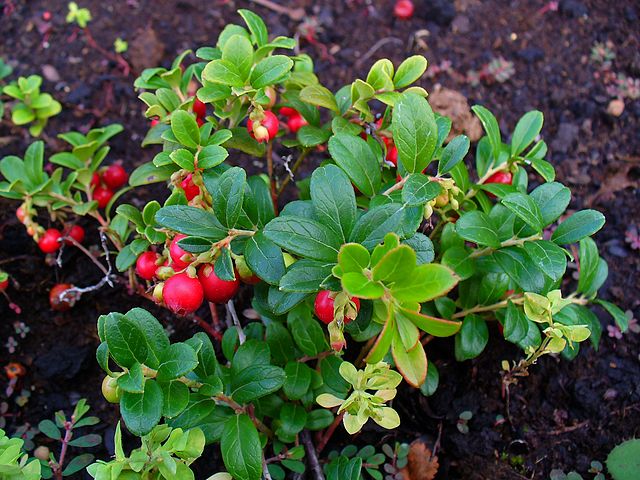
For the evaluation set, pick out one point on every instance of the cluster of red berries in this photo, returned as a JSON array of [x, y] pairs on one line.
[[182, 293], [104, 184], [295, 121], [50, 241]]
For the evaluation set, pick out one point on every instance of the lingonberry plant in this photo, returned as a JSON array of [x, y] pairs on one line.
[[392, 240]]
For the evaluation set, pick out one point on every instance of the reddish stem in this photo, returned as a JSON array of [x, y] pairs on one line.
[[57, 467], [328, 433], [119, 59]]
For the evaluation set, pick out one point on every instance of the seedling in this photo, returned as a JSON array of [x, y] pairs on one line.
[[14, 463], [463, 422], [63, 431], [31, 106], [120, 45]]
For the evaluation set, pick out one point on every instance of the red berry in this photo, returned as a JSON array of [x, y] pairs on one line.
[[180, 257], [49, 242], [270, 123], [252, 279], [504, 178], [115, 177], [95, 179], [61, 303], [46, 15], [199, 108], [200, 121], [288, 111], [392, 156], [182, 294], [323, 307], [403, 9], [215, 289], [501, 177], [102, 195], [146, 265], [4, 284], [191, 190], [154, 122], [296, 122], [76, 232], [21, 214]]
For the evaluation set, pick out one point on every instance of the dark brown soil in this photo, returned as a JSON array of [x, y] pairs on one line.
[[563, 415]]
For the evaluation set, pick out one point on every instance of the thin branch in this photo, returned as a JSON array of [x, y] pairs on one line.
[[231, 310], [380, 43], [312, 455]]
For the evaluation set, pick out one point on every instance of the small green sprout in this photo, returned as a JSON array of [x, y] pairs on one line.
[[361, 405], [32, 106], [80, 16], [120, 45]]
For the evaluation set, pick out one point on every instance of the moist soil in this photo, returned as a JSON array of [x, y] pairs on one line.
[[564, 414]]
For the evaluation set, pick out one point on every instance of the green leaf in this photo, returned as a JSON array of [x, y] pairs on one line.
[[525, 208], [425, 283], [319, 96], [430, 384], [133, 380], [305, 276], [148, 173], [175, 398], [228, 195], [490, 125], [552, 199], [359, 285], [126, 340], [526, 131], [292, 419], [437, 327], [241, 448], [319, 419], [223, 72], [280, 342], [412, 363], [211, 156], [264, 258], [77, 464], [49, 429], [306, 331], [423, 246], [578, 226], [472, 338], [86, 441], [256, 381], [270, 70], [544, 168], [238, 51], [418, 189], [371, 228], [550, 258], [621, 319], [515, 262], [414, 131], [453, 153], [191, 221], [353, 155], [298, 380], [256, 26], [476, 226], [589, 264], [334, 200], [142, 411], [310, 136], [304, 237], [409, 71], [185, 128], [179, 359], [515, 324]]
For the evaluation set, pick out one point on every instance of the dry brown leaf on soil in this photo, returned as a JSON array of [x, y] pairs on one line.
[[421, 464], [618, 179], [455, 106]]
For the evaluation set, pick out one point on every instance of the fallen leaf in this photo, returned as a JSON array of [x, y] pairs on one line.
[[455, 106], [421, 464]]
